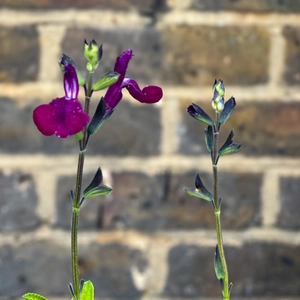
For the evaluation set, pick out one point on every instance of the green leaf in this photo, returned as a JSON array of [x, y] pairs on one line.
[[101, 190], [218, 265], [227, 111], [199, 114], [97, 180], [209, 138], [33, 296], [87, 292], [107, 80], [229, 146], [200, 191]]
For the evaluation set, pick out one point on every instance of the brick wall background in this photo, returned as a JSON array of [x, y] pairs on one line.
[[148, 240]]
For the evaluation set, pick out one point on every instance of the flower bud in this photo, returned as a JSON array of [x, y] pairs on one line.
[[93, 54], [218, 96]]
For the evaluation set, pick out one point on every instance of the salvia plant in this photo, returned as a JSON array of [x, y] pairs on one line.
[[222, 112], [65, 117]]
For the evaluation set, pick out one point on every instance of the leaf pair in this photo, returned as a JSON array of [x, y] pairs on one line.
[[87, 293]]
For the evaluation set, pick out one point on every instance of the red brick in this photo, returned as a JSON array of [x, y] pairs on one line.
[[20, 54], [159, 202], [196, 55], [292, 55], [18, 202], [289, 213], [146, 6], [257, 269], [256, 6]]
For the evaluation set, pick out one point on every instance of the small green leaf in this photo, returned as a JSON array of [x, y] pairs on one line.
[[107, 80], [218, 265], [87, 292], [101, 190], [200, 191], [227, 111], [97, 180], [200, 187], [209, 138], [199, 114], [33, 296], [229, 146]]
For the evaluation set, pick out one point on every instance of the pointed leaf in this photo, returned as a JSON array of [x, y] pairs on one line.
[[87, 292], [97, 180], [199, 114], [99, 117], [227, 111], [107, 80], [209, 138], [33, 296], [218, 265], [229, 146], [101, 190], [201, 188], [200, 191]]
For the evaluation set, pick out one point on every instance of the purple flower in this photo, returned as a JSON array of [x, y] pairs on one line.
[[62, 116], [149, 94]]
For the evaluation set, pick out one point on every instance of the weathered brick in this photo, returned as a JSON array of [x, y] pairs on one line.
[[26, 268], [18, 201], [292, 55], [147, 6], [92, 210], [256, 269], [198, 54], [262, 128], [131, 130], [145, 42], [20, 56], [289, 213], [110, 268], [159, 202], [257, 6]]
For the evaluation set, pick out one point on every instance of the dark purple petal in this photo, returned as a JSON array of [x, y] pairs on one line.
[[114, 93], [61, 117], [149, 94], [70, 82], [122, 64]]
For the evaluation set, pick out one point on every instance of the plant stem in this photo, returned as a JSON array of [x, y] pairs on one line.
[[77, 194], [225, 288]]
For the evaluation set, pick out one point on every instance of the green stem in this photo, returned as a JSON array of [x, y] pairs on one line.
[[77, 194], [225, 291], [74, 252]]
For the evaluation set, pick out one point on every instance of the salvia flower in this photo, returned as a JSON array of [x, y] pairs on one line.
[[149, 94], [62, 116]]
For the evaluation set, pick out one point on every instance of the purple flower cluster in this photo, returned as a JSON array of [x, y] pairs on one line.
[[64, 116]]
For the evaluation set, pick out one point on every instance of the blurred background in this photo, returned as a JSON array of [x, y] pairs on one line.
[[148, 239]]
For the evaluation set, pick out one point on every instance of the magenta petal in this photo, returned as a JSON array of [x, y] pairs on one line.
[[61, 117], [149, 94], [71, 85], [114, 93], [122, 64]]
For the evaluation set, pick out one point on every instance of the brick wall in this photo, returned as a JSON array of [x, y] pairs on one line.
[[148, 239]]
